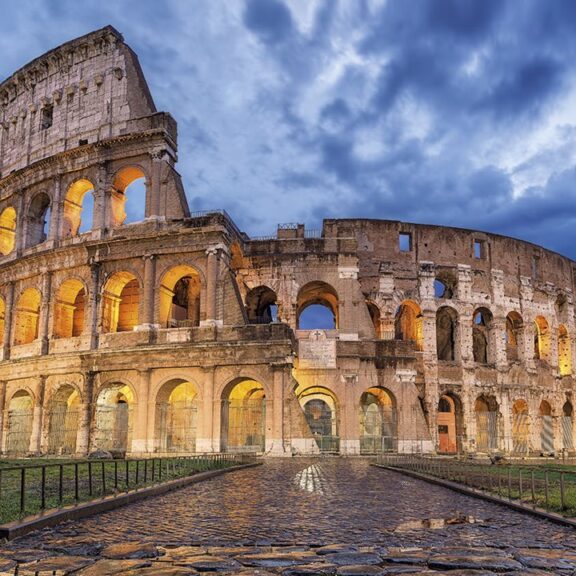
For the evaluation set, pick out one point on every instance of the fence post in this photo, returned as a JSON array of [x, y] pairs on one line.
[[562, 500], [76, 495], [546, 488], [509, 483], [103, 478], [90, 478], [533, 491], [43, 489], [22, 490], [61, 485], [520, 483]]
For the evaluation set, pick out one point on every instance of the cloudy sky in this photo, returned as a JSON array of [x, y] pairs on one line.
[[457, 112]]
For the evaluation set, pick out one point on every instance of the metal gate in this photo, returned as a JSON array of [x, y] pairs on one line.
[[520, 433], [567, 433], [62, 430], [113, 427], [378, 429], [547, 434], [19, 431], [177, 422], [323, 425], [486, 431], [243, 425]]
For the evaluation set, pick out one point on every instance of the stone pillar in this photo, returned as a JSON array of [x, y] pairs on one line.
[[94, 301], [349, 435], [54, 231], [205, 440], [8, 320], [100, 217], [154, 187], [149, 292], [275, 436], [20, 224], [430, 352], [140, 427], [83, 440], [465, 336], [45, 311], [212, 269], [498, 341], [2, 408], [506, 415], [38, 413]]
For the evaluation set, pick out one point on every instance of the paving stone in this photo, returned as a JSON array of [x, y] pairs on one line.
[[278, 559], [407, 557], [58, 564], [310, 570], [131, 550], [182, 552], [27, 555], [208, 563], [7, 565], [353, 558], [156, 570], [333, 548], [113, 567], [457, 561], [361, 570]]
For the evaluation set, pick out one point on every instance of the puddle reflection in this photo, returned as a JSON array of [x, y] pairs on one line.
[[313, 480]]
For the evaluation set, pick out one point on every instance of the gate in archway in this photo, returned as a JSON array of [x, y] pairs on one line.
[[177, 422], [62, 430], [322, 423], [244, 421]]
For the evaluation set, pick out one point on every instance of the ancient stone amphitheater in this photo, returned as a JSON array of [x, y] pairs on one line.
[[180, 333]]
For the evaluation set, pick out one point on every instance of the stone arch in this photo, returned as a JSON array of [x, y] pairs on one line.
[[447, 341], [180, 297], [321, 409], [449, 422], [378, 421], [7, 230], [376, 318], [317, 293], [541, 339], [514, 336], [120, 302], [564, 351], [568, 426], [70, 309], [27, 317], [63, 419], [408, 323], [38, 219], [125, 178], [20, 415], [445, 284], [113, 418], [482, 336], [261, 305], [79, 197], [520, 427], [487, 413], [176, 416], [243, 416], [546, 427]]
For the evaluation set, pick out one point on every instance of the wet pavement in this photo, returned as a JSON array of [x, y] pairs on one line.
[[296, 516]]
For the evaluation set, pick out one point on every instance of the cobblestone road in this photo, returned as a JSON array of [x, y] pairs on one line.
[[274, 519]]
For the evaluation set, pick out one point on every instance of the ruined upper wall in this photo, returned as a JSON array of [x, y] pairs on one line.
[[80, 93]]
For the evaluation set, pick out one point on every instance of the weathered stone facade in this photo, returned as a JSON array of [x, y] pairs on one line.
[[180, 333]]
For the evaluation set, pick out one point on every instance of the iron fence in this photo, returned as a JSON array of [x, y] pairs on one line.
[[552, 488], [31, 489]]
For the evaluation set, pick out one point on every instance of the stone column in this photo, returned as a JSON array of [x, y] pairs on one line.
[[140, 427], [38, 413], [205, 440], [154, 187], [8, 319], [498, 341], [20, 224], [149, 292], [349, 434], [275, 440], [100, 217], [94, 301], [45, 311], [54, 232], [83, 440], [212, 268], [2, 408], [430, 352]]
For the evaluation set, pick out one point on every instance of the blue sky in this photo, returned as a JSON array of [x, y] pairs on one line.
[[457, 112]]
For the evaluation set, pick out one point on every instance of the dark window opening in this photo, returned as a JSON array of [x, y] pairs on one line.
[[479, 250], [47, 117]]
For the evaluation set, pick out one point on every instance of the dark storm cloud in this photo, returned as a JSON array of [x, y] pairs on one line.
[[455, 112]]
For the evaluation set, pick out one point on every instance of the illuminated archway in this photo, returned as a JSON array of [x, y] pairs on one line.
[[321, 411], [27, 317], [69, 309], [514, 337], [19, 428], [180, 297], [520, 427], [261, 306], [546, 427], [7, 230], [113, 419], [317, 307], [120, 303], [448, 421], [482, 346], [243, 416], [378, 421], [129, 184], [486, 411], [63, 421], [38, 219], [78, 208], [408, 323], [568, 426], [541, 339], [176, 417], [564, 353]]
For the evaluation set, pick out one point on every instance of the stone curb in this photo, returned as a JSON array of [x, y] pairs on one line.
[[515, 505], [49, 518]]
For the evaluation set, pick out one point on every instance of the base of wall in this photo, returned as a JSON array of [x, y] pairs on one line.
[[350, 447], [304, 446], [415, 447]]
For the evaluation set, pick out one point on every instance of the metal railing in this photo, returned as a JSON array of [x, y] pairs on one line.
[[32, 489], [552, 488]]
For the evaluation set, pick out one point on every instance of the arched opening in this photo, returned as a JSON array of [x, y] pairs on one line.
[[564, 353], [408, 323], [320, 410], [38, 220], [378, 422], [448, 422], [128, 196], [446, 334], [514, 337], [520, 427], [546, 428], [63, 421], [486, 411], [78, 212], [482, 336], [541, 339], [176, 417], [113, 419], [180, 297], [7, 230], [27, 317], [567, 426], [317, 307], [69, 309], [243, 417], [20, 417], [120, 303], [376, 318], [261, 306]]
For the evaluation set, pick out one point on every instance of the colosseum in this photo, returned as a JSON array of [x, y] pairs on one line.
[[179, 333]]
